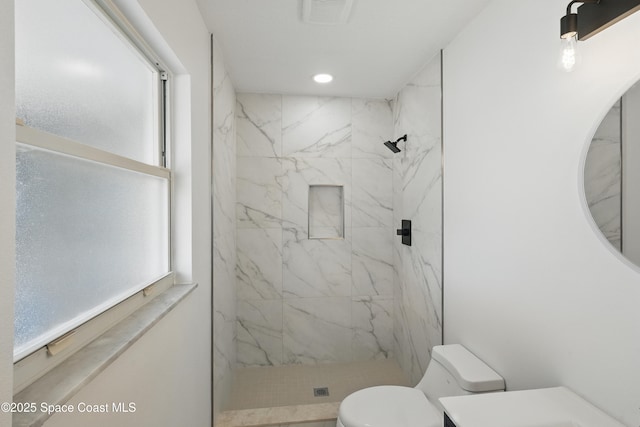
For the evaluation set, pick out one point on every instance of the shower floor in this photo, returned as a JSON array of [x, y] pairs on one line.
[[285, 394]]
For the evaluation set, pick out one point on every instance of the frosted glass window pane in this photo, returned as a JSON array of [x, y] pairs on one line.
[[326, 212], [87, 235], [76, 78]]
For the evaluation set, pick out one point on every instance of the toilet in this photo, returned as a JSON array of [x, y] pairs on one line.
[[453, 371]]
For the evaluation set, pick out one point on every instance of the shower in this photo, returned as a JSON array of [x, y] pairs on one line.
[[393, 146]]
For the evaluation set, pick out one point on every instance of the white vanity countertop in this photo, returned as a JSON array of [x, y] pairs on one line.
[[549, 407]]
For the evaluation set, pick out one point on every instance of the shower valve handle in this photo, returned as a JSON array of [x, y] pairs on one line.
[[405, 232]]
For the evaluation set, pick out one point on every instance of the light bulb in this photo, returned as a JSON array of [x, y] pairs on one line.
[[569, 54]]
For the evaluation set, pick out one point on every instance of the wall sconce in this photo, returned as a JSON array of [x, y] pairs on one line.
[[590, 18]]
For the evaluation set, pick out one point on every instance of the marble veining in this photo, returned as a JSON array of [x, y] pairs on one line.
[[603, 177], [367, 292], [259, 264], [420, 116], [259, 192], [372, 262], [316, 267], [259, 125], [285, 145], [417, 181], [372, 328], [371, 127], [316, 127], [372, 203], [260, 333], [327, 320], [415, 342], [425, 294], [300, 174]]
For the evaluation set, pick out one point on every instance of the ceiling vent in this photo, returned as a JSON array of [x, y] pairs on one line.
[[326, 12]]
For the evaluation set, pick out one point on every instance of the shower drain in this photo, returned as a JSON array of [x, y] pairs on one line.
[[321, 392]]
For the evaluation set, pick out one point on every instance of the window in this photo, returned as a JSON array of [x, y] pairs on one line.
[[93, 190]]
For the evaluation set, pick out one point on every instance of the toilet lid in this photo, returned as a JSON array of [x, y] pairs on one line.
[[389, 406]]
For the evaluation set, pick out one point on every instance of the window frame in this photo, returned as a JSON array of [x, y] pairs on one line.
[[32, 365]]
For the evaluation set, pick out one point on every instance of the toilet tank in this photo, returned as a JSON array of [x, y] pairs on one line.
[[455, 371]]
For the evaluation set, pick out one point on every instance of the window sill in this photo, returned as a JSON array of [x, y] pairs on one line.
[[65, 380]]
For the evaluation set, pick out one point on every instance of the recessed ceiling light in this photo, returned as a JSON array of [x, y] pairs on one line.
[[322, 78]]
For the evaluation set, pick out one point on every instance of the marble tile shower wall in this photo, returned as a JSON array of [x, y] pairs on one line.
[[417, 183], [224, 232], [304, 300], [603, 176]]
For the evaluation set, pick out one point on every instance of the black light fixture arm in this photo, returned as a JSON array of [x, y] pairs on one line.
[[402, 138], [595, 16], [569, 22], [579, 1]]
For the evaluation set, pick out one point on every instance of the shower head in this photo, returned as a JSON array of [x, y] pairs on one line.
[[393, 146]]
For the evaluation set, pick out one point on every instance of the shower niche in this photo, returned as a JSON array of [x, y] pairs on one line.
[[326, 212]]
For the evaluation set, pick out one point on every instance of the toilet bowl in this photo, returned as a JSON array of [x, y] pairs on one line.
[[453, 371]]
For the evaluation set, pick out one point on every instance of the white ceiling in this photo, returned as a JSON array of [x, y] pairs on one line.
[[267, 48]]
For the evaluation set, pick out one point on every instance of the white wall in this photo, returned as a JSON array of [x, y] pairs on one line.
[[530, 286], [168, 372], [7, 203]]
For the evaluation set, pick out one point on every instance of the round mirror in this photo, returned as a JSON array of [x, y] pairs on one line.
[[612, 177]]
